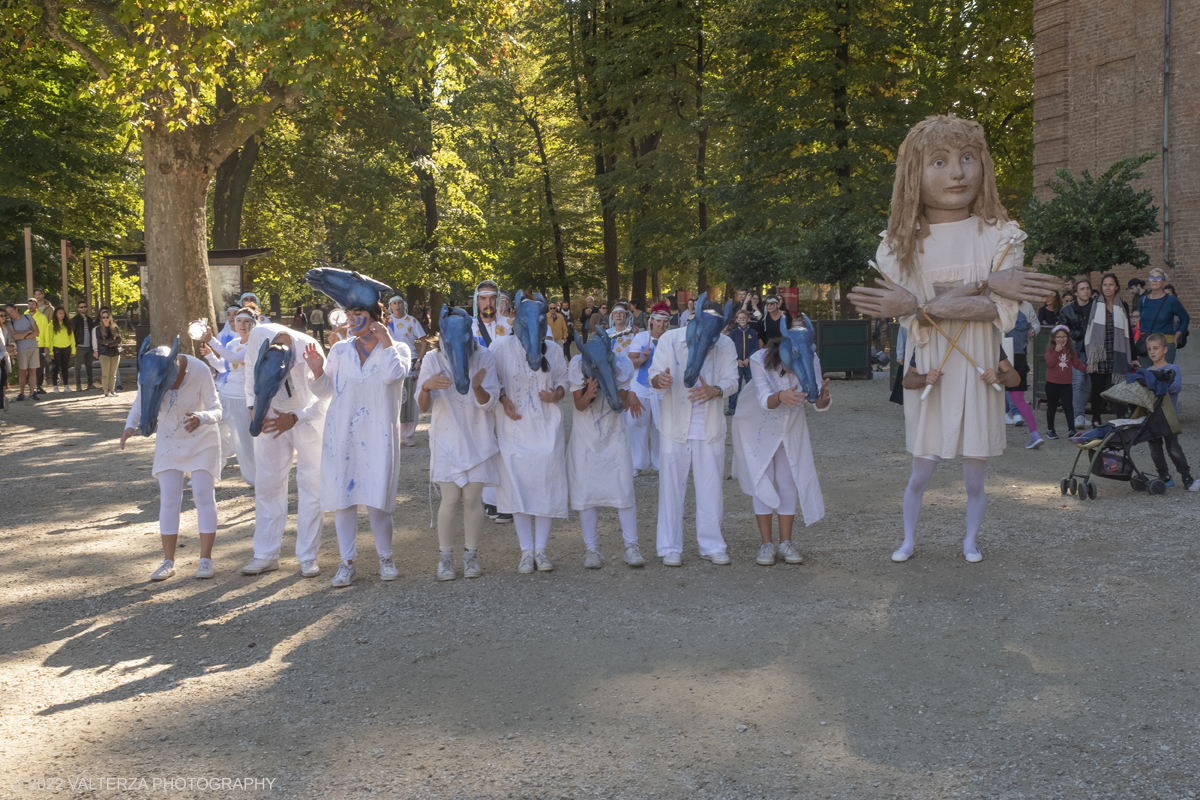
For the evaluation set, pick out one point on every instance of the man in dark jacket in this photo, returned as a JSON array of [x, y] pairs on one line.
[[84, 327], [1075, 316]]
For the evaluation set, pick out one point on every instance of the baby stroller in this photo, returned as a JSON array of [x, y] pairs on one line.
[[1108, 455]]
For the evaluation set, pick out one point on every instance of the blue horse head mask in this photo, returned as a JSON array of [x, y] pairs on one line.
[[157, 371], [796, 351], [599, 362], [345, 287], [270, 373], [703, 330], [530, 326], [456, 344]]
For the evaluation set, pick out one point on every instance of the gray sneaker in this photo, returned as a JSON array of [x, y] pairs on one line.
[[526, 565], [471, 564], [789, 552], [387, 569], [633, 556], [593, 560], [345, 575], [258, 566], [766, 554], [165, 570], [205, 570], [310, 568], [445, 570], [542, 560]]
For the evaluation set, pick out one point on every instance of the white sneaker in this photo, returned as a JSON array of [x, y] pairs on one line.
[[345, 575], [721, 558], [766, 554], [445, 570], [1009, 419], [387, 569], [672, 560], [593, 560], [205, 570], [308, 569], [67, 389], [633, 556], [260, 565], [790, 554], [542, 560], [471, 564], [165, 570], [1080, 423], [527, 563]]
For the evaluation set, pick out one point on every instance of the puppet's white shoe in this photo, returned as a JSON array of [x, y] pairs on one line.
[[721, 558], [973, 558], [445, 570], [790, 554], [471, 564], [633, 556], [165, 570], [527, 565], [387, 569], [542, 560], [593, 560], [766, 555], [205, 570], [309, 569], [672, 560]]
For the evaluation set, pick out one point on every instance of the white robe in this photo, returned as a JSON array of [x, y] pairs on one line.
[[759, 432], [174, 447], [599, 458], [360, 451], [462, 433], [962, 415], [533, 469]]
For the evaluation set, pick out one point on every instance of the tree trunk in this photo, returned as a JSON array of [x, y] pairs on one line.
[[608, 216], [655, 286], [559, 256], [845, 311], [701, 154], [229, 195], [177, 178], [435, 310]]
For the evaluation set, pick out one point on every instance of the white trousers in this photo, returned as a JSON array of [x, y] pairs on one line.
[[643, 433], [273, 462], [707, 464], [407, 429], [170, 501], [533, 533], [779, 472], [589, 517], [345, 523], [238, 417]]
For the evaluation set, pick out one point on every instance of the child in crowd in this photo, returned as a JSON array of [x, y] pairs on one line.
[[1156, 348], [1061, 358]]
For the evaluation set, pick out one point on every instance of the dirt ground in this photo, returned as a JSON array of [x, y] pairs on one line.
[[1062, 666]]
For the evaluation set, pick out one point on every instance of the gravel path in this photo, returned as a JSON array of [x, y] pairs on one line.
[[1064, 665]]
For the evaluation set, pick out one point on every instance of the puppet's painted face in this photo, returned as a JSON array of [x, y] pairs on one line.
[[951, 180]]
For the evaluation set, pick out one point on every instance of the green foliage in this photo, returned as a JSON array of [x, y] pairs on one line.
[[837, 249], [1092, 224]]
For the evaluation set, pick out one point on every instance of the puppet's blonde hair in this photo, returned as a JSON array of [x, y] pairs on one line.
[[907, 224]]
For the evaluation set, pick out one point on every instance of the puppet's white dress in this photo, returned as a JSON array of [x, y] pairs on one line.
[[360, 451], [174, 447], [462, 433], [533, 468], [962, 415], [599, 458], [759, 432]]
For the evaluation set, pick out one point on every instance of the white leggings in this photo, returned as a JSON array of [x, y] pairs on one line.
[[628, 517], [779, 472], [345, 522], [525, 524], [170, 500], [470, 498]]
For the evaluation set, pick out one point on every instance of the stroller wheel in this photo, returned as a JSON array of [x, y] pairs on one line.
[[1139, 483], [1091, 490], [1062, 486], [1158, 486], [1073, 486]]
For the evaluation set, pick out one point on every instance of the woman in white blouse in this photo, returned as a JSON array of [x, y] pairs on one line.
[[233, 389]]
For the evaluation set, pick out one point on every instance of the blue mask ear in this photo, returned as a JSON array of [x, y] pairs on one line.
[[174, 348], [517, 302], [262, 351], [545, 306], [807, 322], [445, 313], [728, 311], [145, 347]]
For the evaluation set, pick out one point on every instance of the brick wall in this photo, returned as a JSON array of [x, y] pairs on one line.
[[1098, 80]]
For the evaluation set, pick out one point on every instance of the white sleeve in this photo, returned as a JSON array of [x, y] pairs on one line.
[[135, 413], [211, 414]]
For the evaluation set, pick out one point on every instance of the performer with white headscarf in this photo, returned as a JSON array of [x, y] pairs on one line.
[[644, 437], [407, 329]]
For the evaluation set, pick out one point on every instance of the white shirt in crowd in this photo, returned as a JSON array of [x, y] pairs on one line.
[[719, 369]]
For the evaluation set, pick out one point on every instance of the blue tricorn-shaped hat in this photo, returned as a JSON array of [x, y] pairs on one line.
[[796, 351], [703, 331], [157, 371], [599, 362], [346, 287], [456, 343]]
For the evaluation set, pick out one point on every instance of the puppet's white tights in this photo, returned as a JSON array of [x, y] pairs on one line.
[[345, 522], [470, 498], [170, 500], [922, 471], [525, 524], [589, 516]]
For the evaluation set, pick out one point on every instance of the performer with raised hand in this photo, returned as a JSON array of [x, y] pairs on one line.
[[458, 383], [529, 429], [360, 451], [952, 260], [177, 402]]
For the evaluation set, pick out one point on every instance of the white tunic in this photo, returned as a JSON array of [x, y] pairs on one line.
[[641, 377], [462, 433], [759, 432], [234, 355], [962, 415], [408, 330], [533, 469], [622, 343], [360, 452], [174, 447], [599, 458]]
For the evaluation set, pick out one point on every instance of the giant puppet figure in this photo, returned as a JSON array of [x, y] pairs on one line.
[[951, 261]]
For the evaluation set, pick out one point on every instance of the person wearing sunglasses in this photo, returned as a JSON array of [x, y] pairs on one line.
[[108, 347], [1161, 313]]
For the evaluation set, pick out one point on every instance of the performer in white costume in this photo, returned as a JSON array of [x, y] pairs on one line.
[[407, 329], [232, 390], [360, 451], [293, 423], [458, 383], [693, 430], [951, 257], [644, 437], [177, 401], [488, 327], [599, 462], [529, 430], [772, 455]]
